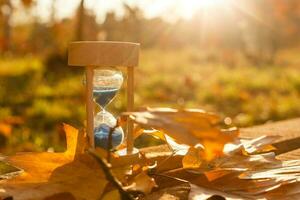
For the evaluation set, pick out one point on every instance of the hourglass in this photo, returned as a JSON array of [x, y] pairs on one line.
[[106, 84], [103, 80]]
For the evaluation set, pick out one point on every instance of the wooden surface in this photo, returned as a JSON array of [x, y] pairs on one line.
[[103, 54], [288, 146]]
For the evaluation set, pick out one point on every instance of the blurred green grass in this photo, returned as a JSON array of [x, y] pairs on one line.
[[44, 96]]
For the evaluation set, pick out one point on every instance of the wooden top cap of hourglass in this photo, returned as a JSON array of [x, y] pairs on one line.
[[103, 54]]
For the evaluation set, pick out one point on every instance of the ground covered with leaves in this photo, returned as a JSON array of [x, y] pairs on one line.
[[199, 161]]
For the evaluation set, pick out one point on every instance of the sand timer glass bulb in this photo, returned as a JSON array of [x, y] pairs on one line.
[[106, 84]]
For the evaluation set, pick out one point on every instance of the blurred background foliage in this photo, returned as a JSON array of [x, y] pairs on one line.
[[242, 62]]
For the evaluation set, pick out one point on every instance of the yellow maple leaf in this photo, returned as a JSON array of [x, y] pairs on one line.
[[46, 175]]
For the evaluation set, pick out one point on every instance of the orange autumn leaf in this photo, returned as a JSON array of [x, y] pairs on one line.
[[112, 195], [215, 174], [155, 133], [45, 174], [142, 183], [198, 157], [6, 125], [260, 144], [212, 149], [192, 159], [5, 129], [189, 126]]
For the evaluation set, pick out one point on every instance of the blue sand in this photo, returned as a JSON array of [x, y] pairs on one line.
[[101, 136], [104, 95]]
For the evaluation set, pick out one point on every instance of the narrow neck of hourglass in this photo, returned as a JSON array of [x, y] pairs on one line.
[[103, 97]]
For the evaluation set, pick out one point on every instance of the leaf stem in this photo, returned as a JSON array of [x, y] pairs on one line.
[[110, 177]]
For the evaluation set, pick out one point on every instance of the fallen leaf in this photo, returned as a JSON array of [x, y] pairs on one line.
[[190, 126], [169, 188], [204, 193], [47, 174], [155, 133], [6, 125], [260, 144], [193, 158], [7, 171], [142, 183], [216, 173], [5, 129], [178, 149], [250, 175], [112, 195], [285, 171]]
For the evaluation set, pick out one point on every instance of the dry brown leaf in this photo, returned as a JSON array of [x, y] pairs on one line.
[[112, 195], [239, 169], [177, 149], [204, 193], [174, 122], [260, 144], [193, 158], [230, 185], [155, 133], [242, 172], [137, 132], [285, 171], [290, 191], [47, 174], [233, 157], [119, 158], [188, 126], [142, 183], [194, 113], [169, 188], [216, 174]]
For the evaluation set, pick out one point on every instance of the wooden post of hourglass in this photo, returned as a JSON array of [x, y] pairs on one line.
[[95, 54], [130, 102], [89, 73]]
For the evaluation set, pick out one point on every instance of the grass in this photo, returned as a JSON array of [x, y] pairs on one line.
[[247, 94]]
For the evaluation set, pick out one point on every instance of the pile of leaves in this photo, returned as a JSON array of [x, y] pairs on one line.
[[199, 161]]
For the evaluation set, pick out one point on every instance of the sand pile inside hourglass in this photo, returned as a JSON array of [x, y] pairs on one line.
[[106, 84]]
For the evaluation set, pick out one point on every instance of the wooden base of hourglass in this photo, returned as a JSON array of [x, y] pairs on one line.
[[94, 54]]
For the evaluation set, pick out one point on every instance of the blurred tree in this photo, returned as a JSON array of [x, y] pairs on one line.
[[132, 23], [255, 28], [87, 28], [256, 31], [110, 26], [27, 3], [6, 13], [129, 28], [53, 12], [80, 20], [287, 17]]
